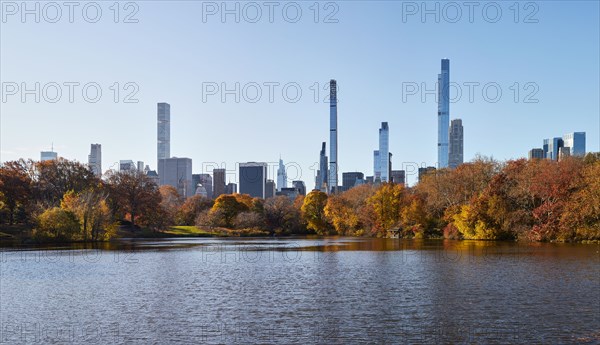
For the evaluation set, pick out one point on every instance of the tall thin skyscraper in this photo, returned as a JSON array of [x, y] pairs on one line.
[[281, 176], [321, 182], [95, 159], [164, 131], [333, 145], [455, 152], [443, 113], [384, 152]]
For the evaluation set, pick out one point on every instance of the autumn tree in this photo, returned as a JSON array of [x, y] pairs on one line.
[[170, 202], [281, 216], [229, 206], [15, 186], [133, 193], [313, 211], [57, 224], [91, 209], [191, 209], [54, 178], [349, 212], [386, 203]]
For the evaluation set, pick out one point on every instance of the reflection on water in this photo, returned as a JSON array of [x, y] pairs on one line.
[[273, 291]]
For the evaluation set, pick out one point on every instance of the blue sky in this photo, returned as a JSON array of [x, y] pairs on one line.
[[374, 51]]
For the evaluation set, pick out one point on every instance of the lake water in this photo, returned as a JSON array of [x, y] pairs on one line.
[[301, 291]]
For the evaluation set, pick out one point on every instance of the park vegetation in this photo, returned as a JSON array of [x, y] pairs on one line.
[[532, 200]]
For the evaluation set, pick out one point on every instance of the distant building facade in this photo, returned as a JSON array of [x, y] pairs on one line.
[[206, 181], [575, 142], [270, 189], [423, 171], [127, 165], [281, 176], [399, 176], [177, 172], [48, 156], [443, 113], [536, 154], [384, 152], [321, 179], [456, 137], [300, 186], [95, 159], [163, 132], [218, 182], [349, 179], [253, 179], [231, 188]]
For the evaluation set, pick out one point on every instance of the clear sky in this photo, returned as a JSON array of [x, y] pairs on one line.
[[376, 51]]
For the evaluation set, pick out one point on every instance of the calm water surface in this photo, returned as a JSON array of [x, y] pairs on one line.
[[299, 291]]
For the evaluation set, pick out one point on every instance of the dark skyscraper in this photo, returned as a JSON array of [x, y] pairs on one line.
[[443, 113], [270, 189], [455, 155], [300, 186], [253, 179], [333, 136], [321, 180], [218, 182], [349, 179]]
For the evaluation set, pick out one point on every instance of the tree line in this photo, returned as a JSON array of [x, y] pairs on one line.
[[535, 200]]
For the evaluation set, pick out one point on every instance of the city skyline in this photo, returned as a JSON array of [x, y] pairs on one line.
[[214, 131]]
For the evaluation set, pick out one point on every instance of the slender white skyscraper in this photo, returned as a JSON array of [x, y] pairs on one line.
[[384, 152], [443, 113], [281, 176], [95, 159], [333, 151], [164, 131]]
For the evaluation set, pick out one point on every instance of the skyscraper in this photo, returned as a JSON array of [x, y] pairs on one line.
[[163, 132], [398, 176], [231, 188], [281, 176], [455, 152], [333, 145], [552, 146], [177, 172], [443, 113], [321, 180], [376, 166], [300, 186], [48, 156], [253, 179], [349, 179], [536, 153], [206, 181], [219, 182], [384, 152], [270, 189], [95, 159], [575, 142]]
